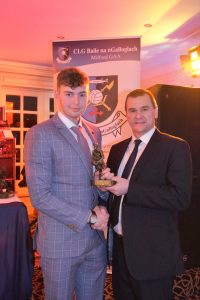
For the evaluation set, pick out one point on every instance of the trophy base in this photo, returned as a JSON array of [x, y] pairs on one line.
[[103, 182]]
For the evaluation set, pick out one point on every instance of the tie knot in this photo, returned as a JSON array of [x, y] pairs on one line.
[[76, 129], [137, 142]]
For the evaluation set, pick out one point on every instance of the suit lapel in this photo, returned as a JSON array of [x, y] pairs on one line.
[[122, 152], [117, 155], [66, 133], [147, 154], [90, 133]]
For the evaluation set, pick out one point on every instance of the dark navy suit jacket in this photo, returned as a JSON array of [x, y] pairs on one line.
[[160, 186]]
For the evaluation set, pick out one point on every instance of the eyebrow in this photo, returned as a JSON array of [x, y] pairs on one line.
[[144, 106], [72, 92]]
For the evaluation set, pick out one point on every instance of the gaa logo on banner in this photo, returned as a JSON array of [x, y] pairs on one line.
[[63, 55], [103, 98]]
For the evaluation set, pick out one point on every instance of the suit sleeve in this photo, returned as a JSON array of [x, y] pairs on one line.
[[39, 174], [171, 187]]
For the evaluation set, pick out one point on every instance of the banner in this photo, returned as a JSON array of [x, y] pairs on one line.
[[113, 66]]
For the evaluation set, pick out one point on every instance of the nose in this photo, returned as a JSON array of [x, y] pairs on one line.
[[75, 99], [138, 114]]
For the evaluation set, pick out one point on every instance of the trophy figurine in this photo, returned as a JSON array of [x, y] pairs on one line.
[[98, 162]]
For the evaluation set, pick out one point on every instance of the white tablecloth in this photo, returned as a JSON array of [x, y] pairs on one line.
[[9, 200]]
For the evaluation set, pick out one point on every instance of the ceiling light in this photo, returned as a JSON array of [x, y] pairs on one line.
[[148, 25]]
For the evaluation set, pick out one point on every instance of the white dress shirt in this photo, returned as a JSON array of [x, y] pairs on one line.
[[145, 139]]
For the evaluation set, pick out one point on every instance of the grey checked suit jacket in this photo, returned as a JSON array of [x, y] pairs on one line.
[[59, 184]]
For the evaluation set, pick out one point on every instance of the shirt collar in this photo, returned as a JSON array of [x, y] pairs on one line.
[[68, 123], [145, 138]]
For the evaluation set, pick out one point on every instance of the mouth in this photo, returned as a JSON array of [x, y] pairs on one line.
[[139, 123], [75, 109]]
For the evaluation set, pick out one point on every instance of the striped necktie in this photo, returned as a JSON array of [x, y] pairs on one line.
[[83, 144]]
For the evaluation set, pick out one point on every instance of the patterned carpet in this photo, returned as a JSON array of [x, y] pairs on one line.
[[186, 286]]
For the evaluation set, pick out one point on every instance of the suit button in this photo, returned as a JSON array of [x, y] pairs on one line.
[[71, 226]]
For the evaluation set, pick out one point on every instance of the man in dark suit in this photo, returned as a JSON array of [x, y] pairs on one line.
[[146, 201], [59, 172]]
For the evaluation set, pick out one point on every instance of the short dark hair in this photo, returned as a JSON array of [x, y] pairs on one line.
[[141, 92], [72, 77]]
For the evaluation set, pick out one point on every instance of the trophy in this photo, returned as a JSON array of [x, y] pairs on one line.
[[98, 162]]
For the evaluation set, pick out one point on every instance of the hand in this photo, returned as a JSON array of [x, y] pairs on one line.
[[106, 174], [102, 218], [96, 175], [120, 187]]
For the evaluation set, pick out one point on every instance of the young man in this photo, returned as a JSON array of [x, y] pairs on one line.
[[146, 249], [70, 236]]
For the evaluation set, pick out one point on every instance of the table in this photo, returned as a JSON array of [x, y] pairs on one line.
[[16, 255], [9, 200]]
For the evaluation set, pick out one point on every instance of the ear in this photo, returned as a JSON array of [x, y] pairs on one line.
[[56, 100], [156, 113], [55, 94], [88, 97]]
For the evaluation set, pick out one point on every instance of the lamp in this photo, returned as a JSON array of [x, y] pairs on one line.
[[191, 62], [185, 62], [194, 54]]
